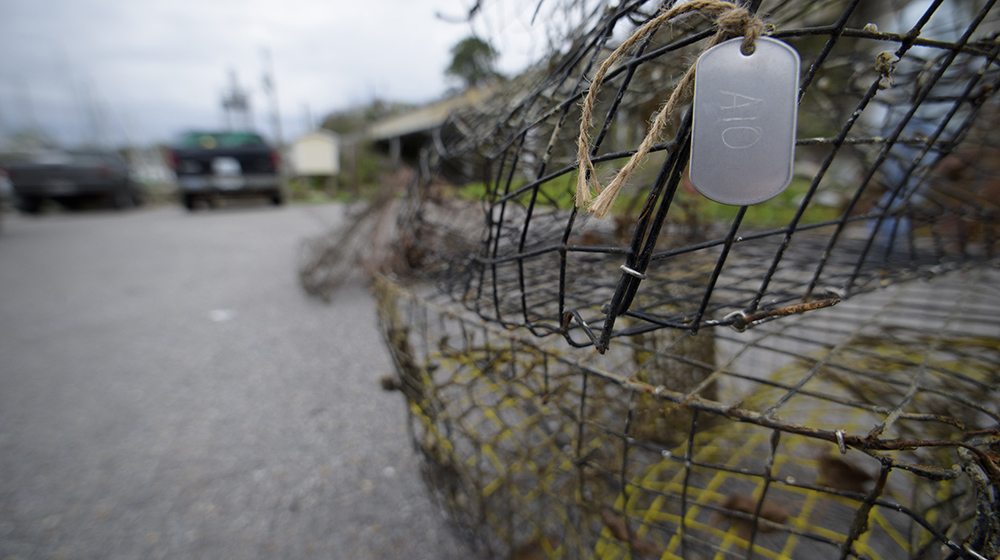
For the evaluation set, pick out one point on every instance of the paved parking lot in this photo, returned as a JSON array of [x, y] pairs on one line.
[[168, 391]]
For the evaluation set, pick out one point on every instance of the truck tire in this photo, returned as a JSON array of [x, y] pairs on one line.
[[30, 204], [121, 199]]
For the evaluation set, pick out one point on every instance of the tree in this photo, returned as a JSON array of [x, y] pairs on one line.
[[473, 62]]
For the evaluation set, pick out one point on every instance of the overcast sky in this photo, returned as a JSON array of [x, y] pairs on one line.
[[141, 71]]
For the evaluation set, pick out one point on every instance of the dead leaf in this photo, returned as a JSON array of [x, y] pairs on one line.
[[619, 530]]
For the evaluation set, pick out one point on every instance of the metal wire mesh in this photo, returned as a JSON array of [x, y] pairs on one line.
[[567, 382], [883, 184], [867, 431]]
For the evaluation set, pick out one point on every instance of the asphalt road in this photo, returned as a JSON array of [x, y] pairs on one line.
[[168, 391]]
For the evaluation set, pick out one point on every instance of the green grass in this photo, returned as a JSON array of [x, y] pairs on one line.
[[773, 213], [475, 190], [776, 212], [552, 194]]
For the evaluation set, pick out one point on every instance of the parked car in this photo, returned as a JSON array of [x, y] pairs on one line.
[[215, 165], [71, 178], [6, 190], [6, 194]]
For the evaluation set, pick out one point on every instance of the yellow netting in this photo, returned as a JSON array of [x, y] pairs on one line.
[[676, 446]]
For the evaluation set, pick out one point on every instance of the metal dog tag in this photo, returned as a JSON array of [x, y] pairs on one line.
[[743, 136]]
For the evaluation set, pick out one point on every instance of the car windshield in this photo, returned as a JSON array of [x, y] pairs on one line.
[[211, 140]]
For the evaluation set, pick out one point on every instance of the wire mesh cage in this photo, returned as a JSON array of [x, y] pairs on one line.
[[569, 382], [867, 432], [882, 183]]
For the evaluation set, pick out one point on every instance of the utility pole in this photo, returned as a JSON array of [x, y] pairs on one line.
[[307, 114], [236, 103], [27, 108], [271, 90]]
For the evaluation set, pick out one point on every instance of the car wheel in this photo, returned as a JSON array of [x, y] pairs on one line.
[[71, 203], [122, 199], [138, 195], [31, 204], [189, 202], [277, 199], [138, 199]]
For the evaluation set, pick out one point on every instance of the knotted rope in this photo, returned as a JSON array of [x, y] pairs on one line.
[[731, 19]]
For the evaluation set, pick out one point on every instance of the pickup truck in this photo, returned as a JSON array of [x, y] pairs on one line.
[[215, 165], [71, 177]]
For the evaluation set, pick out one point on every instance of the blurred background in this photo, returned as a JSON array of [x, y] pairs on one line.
[[117, 73], [118, 76], [166, 387]]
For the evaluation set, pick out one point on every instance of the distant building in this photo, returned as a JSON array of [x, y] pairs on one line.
[[403, 135], [315, 154]]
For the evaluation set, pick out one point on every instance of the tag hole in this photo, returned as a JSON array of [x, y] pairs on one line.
[[748, 50]]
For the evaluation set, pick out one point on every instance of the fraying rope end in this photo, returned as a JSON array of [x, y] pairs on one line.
[[583, 195], [605, 201]]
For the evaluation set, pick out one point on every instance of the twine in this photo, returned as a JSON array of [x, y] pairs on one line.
[[732, 20]]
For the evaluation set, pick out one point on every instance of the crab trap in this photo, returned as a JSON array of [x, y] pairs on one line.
[[812, 375]]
